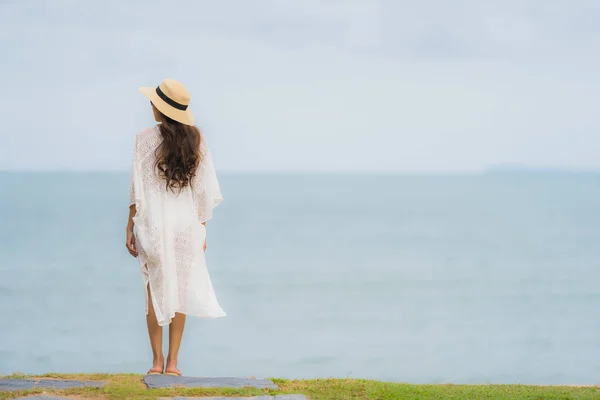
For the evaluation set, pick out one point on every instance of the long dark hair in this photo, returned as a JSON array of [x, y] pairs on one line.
[[179, 154]]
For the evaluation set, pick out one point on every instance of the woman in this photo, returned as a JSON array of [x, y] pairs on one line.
[[173, 192]]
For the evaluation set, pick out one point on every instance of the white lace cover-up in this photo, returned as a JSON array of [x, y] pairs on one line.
[[170, 235]]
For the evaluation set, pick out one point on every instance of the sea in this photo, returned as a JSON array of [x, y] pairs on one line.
[[481, 278]]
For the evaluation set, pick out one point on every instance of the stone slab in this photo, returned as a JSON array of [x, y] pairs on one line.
[[44, 398], [24, 384], [278, 397], [167, 381]]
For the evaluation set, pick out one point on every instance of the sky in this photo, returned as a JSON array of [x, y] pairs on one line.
[[306, 85]]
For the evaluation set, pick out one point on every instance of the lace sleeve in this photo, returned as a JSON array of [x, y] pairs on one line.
[[205, 186]]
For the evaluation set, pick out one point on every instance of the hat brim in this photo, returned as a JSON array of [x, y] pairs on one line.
[[184, 116]]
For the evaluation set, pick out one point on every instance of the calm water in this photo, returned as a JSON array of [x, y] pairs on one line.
[[492, 278]]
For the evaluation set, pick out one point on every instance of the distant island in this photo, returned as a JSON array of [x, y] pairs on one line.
[[515, 168]]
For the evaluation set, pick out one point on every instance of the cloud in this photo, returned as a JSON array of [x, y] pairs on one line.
[[306, 85]]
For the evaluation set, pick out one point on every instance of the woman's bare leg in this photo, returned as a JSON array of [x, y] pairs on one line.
[[175, 335], [156, 337]]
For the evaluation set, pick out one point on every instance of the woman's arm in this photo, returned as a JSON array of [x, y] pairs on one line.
[[204, 223], [130, 237]]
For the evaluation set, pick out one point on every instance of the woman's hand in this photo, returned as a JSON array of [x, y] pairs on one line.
[[130, 242], [205, 245]]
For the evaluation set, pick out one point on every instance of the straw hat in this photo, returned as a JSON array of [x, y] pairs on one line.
[[172, 99]]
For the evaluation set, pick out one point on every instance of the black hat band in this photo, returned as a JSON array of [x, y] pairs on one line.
[[170, 102]]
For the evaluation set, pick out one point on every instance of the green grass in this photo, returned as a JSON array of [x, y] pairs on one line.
[[131, 387]]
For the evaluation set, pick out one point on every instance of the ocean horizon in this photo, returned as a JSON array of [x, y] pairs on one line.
[[485, 277]]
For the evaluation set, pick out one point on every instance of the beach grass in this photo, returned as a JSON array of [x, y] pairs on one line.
[[130, 386]]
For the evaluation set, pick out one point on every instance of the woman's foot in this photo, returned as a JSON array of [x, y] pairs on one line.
[[173, 372], [158, 365], [154, 371], [171, 368]]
